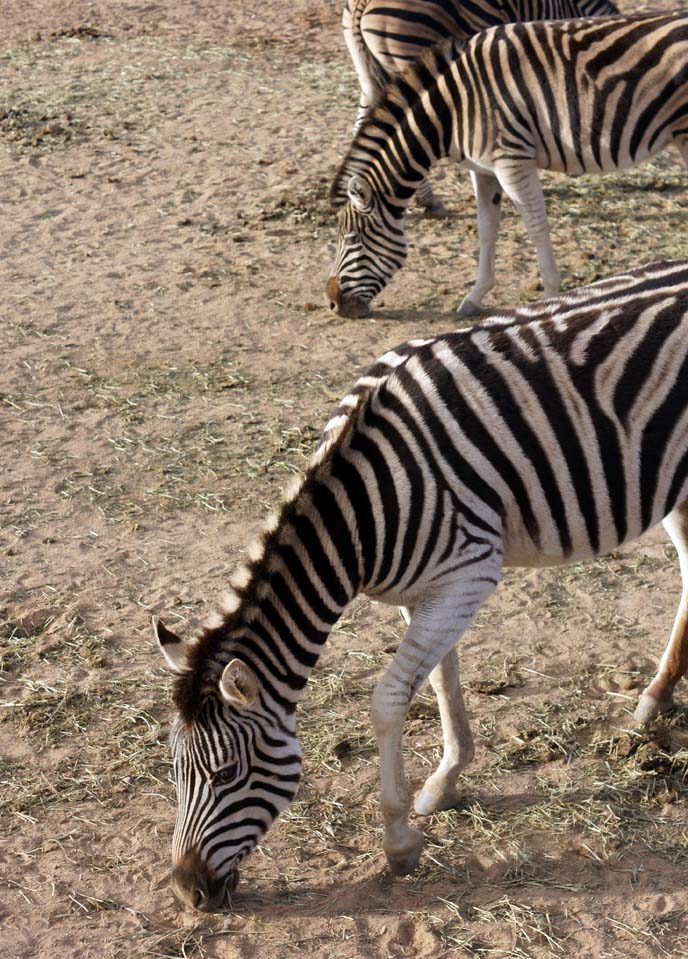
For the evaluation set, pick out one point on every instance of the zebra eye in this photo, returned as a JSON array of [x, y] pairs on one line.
[[352, 238], [226, 775]]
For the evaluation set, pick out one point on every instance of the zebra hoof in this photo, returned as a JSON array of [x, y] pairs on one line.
[[649, 708], [469, 308], [426, 803], [436, 210], [404, 861]]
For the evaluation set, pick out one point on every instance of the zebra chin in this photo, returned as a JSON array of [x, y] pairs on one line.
[[195, 885], [345, 304]]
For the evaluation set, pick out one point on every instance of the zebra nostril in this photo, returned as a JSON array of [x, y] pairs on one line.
[[333, 294], [200, 895]]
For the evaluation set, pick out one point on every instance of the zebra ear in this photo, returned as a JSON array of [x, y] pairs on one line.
[[360, 193], [238, 685], [173, 648]]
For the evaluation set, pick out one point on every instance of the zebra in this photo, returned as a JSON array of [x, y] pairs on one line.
[[574, 96], [546, 435], [383, 36]]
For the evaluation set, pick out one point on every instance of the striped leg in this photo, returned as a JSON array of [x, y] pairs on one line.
[[658, 697], [433, 206], [488, 196], [436, 626], [522, 185], [439, 791]]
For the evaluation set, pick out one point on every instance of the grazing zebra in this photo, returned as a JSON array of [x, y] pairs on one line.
[[383, 36], [576, 96], [547, 435]]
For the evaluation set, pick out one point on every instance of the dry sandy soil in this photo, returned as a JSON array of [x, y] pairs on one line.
[[167, 364]]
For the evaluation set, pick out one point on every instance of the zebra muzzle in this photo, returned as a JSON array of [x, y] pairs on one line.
[[196, 886], [338, 302]]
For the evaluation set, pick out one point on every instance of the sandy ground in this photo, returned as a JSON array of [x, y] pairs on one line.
[[167, 364]]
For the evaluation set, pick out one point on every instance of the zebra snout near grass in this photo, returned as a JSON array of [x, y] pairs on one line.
[[550, 434], [576, 96]]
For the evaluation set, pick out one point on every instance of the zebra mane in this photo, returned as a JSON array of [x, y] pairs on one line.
[[207, 655], [392, 101]]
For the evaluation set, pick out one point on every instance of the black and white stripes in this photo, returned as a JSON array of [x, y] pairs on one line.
[[578, 96], [547, 435], [384, 36]]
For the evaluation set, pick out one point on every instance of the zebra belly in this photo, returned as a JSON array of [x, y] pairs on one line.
[[521, 550], [570, 163]]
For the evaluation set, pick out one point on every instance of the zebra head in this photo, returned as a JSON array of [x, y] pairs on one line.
[[236, 767], [371, 247]]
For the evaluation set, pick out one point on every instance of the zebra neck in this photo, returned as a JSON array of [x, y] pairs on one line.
[[294, 594], [412, 129]]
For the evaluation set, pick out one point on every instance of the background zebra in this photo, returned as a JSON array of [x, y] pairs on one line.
[[554, 433], [384, 36], [578, 96]]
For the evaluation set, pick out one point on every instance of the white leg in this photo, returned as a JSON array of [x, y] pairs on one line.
[[522, 185], [488, 196], [658, 697], [439, 791], [363, 110], [437, 623]]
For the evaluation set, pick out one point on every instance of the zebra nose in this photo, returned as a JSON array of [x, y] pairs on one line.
[[333, 294], [199, 895], [195, 885]]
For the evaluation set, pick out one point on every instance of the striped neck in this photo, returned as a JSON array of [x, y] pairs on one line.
[[304, 573], [411, 129]]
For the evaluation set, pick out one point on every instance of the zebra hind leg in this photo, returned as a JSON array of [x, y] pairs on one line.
[[658, 697]]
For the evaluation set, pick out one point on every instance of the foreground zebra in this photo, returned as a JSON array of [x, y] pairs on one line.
[[578, 96], [384, 36], [553, 433]]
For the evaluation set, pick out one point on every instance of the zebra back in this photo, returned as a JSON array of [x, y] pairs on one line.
[[388, 34]]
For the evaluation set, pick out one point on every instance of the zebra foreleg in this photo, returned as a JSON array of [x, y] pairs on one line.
[[436, 626], [658, 697], [433, 206], [488, 196], [439, 791], [522, 185]]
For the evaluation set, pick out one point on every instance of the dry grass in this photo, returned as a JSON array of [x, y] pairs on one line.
[[566, 804]]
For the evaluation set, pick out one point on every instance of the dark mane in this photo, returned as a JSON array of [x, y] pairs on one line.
[[205, 658]]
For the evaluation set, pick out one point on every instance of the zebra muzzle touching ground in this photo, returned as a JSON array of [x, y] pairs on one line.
[[195, 884], [571, 96], [351, 306], [547, 435]]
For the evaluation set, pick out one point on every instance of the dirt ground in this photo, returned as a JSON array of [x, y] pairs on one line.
[[167, 364]]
